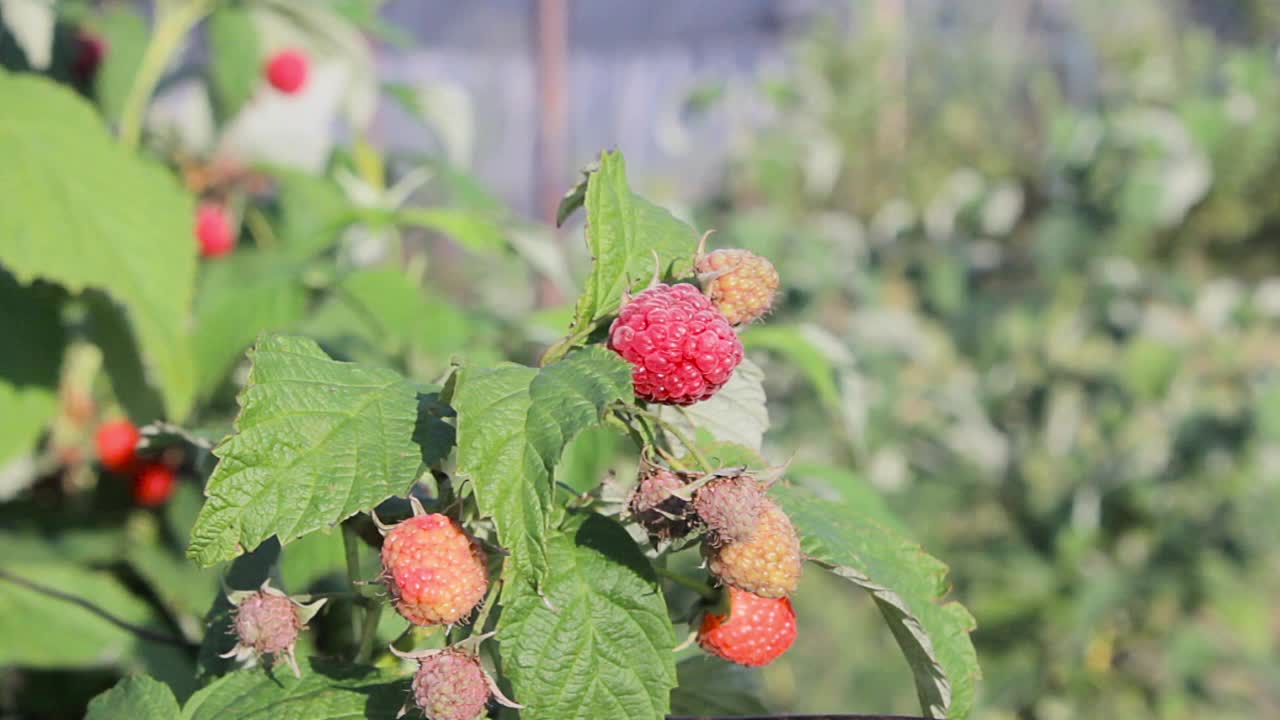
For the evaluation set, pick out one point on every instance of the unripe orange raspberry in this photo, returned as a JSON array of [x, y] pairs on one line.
[[435, 571], [767, 564], [740, 283]]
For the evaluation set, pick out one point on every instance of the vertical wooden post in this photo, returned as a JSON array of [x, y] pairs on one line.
[[553, 120]]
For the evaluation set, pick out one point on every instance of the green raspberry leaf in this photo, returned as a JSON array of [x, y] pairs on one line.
[[596, 642], [325, 692], [624, 231], [316, 441], [138, 698], [513, 425], [240, 297], [52, 616], [710, 686], [235, 61], [736, 414], [29, 320], [907, 585], [78, 209]]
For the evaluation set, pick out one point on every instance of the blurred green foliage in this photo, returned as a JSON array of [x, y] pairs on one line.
[[1034, 286]]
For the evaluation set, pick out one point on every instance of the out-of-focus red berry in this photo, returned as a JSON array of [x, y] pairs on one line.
[[153, 484], [287, 71], [117, 441]]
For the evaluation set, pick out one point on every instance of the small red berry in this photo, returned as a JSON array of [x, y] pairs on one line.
[[117, 441], [287, 71], [682, 350], [213, 230], [756, 631], [435, 571], [153, 484]]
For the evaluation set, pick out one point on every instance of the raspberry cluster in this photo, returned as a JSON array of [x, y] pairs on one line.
[[117, 443], [750, 546]]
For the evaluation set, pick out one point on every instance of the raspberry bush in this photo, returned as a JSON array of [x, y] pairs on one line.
[[327, 467]]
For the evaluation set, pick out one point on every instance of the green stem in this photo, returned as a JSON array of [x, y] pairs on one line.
[[351, 549], [678, 435], [679, 579], [171, 27], [478, 626], [261, 228], [369, 631], [562, 346]]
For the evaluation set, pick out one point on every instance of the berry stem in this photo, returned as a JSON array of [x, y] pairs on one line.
[[171, 26], [351, 549], [678, 434], [477, 627], [369, 630], [686, 581]]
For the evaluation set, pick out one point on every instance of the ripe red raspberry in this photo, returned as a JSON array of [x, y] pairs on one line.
[[434, 570], [450, 686], [662, 514], [681, 348], [287, 71], [267, 622], [214, 231], [153, 484], [768, 563], [730, 507], [741, 284], [756, 631], [117, 442]]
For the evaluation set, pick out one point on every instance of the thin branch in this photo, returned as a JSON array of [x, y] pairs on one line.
[[478, 626], [677, 433], [142, 632]]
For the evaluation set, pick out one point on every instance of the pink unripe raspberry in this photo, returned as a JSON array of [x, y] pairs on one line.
[[287, 71], [435, 571], [730, 507], [267, 623], [682, 350], [213, 230], [451, 685]]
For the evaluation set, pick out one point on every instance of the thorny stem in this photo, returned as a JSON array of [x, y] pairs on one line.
[[679, 579], [171, 26]]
